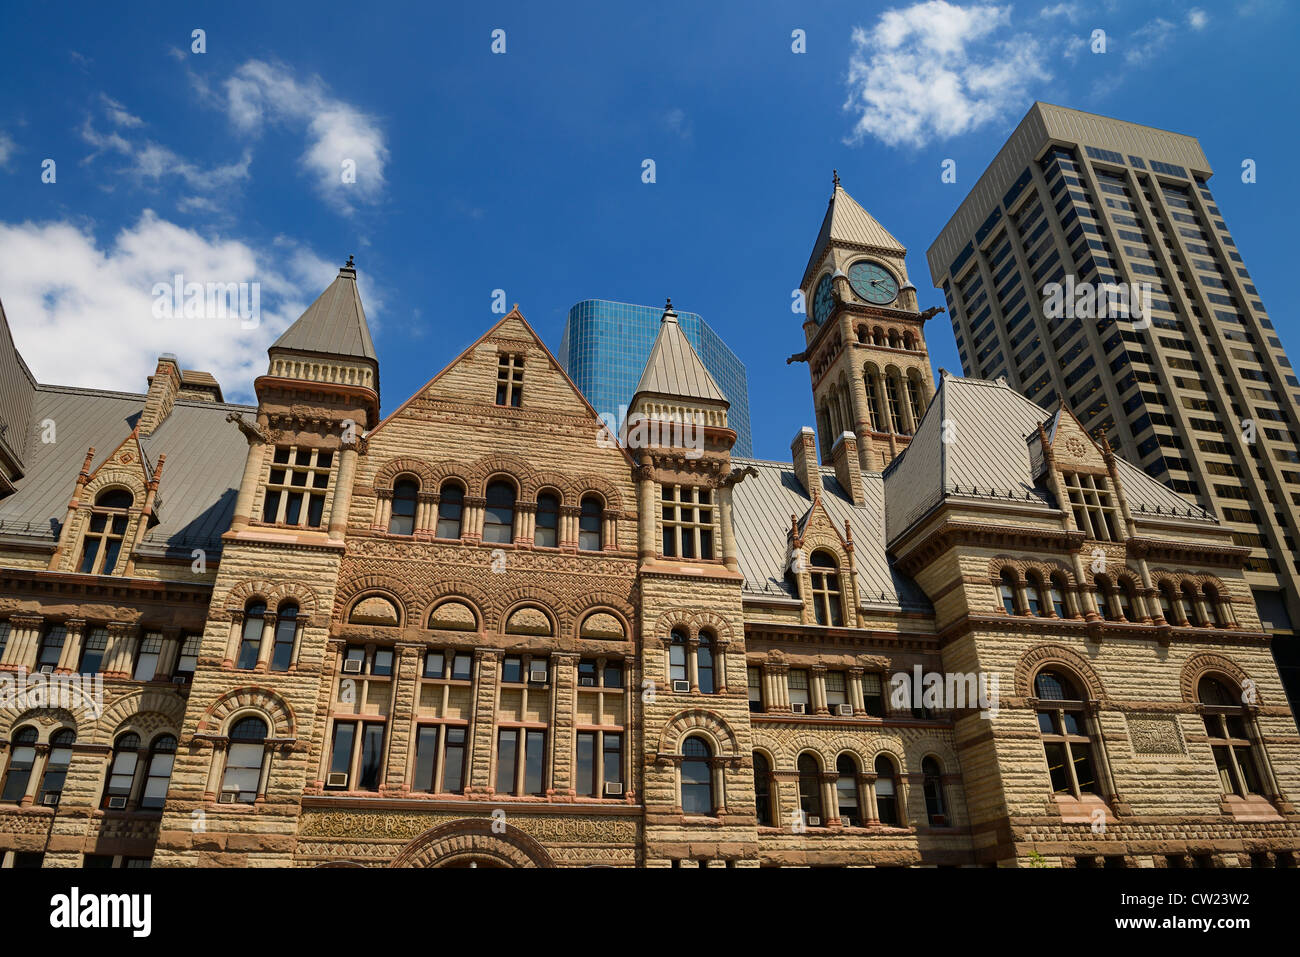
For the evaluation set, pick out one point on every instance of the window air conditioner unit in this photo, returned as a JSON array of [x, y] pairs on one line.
[[228, 797], [845, 822], [180, 679], [798, 707], [352, 666], [116, 803], [537, 677], [613, 789], [587, 682], [46, 669], [336, 779], [681, 686], [814, 821], [844, 710], [50, 798]]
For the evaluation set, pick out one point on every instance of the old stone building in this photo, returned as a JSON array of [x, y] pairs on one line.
[[483, 631]]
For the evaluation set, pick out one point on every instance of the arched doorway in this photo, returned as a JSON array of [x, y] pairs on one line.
[[473, 843]]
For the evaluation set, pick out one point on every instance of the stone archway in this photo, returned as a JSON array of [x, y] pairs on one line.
[[472, 843]]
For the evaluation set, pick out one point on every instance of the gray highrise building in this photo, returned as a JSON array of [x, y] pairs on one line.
[[1203, 396]]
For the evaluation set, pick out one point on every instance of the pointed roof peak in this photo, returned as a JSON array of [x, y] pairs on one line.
[[674, 368], [847, 223], [335, 324]]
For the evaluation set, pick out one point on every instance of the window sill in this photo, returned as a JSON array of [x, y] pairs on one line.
[[1255, 807], [1081, 810]]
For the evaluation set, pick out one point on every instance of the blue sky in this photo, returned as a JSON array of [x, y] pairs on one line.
[[522, 171]]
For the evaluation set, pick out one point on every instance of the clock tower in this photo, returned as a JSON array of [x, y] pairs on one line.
[[865, 342]]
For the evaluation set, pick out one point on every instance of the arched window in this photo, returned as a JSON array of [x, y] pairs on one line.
[[846, 791], [1214, 605], [1057, 593], [402, 519], [18, 774], [243, 775], [1007, 591], [589, 531], [250, 642], [1067, 743], [286, 629], [451, 501], [825, 576], [697, 777], [762, 789], [677, 669], [810, 789], [886, 791], [56, 766], [162, 756], [1226, 725], [704, 663], [121, 771], [935, 807], [103, 539], [1034, 595], [499, 516], [546, 530]]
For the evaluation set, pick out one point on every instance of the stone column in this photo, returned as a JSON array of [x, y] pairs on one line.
[[24, 635], [855, 690], [71, 654], [646, 526], [171, 652], [560, 739], [730, 554], [267, 645], [817, 689], [481, 744], [343, 493], [119, 656], [248, 483], [383, 510]]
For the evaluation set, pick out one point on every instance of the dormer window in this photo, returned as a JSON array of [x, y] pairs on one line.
[[104, 534], [825, 575], [1094, 509], [510, 380], [296, 486]]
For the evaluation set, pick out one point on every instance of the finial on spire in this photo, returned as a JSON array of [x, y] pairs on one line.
[[835, 175], [668, 306], [349, 264]]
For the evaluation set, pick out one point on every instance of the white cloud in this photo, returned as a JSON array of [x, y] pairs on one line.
[[82, 313], [935, 70], [1069, 11], [1197, 18], [1149, 40], [260, 93], [676, 123], [7, 149], [118, 113], [151, 163]]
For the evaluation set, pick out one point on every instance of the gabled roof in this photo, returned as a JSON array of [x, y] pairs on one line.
[[848, 224], [674, 368], [762, 506], [335, 324], [980, 439]]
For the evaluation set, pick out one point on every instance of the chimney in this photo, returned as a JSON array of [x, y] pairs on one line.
[[164, 385], [848, 470], [805, 461]]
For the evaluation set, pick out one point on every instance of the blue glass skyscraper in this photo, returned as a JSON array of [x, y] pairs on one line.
[[606, 344]]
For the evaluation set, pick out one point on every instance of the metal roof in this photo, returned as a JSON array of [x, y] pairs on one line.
[[761, 512], [978, 438], [335, 324], [205, 460], [674, 368], [847, 223]]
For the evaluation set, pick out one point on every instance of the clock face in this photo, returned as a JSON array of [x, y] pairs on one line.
[[823, 300], [873, 282]]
